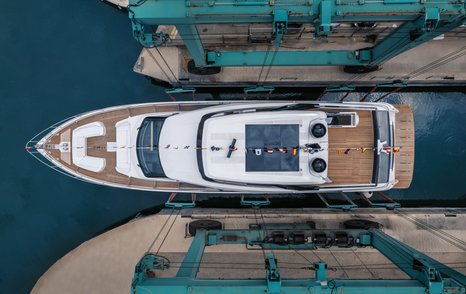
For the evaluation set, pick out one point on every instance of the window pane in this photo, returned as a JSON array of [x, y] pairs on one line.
[[148, 147]]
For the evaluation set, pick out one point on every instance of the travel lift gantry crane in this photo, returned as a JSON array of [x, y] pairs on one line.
[[422, 20], [427, 275]]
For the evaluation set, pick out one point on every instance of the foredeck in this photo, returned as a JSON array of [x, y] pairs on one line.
[[97, 147]]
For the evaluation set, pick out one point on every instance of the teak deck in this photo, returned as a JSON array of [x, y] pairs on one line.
[[344, 169], [404, 137], [97, 146], [355, 167]]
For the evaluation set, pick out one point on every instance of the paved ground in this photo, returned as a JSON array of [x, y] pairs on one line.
[[106, 263]]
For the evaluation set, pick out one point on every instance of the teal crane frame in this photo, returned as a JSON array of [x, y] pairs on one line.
[[427, 275], [422, 21]]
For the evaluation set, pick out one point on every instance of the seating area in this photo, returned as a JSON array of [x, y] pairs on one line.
[[123, 147], [79, 149]]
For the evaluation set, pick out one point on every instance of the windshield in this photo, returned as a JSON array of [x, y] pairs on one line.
[[148, 147]]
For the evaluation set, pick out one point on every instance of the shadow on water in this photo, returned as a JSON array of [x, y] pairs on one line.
[[314, 92], [292, 201]]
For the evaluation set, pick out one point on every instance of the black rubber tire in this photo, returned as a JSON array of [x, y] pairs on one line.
[[361, 224], [205, 224], [365, 24], [204, 71], [359, 69]]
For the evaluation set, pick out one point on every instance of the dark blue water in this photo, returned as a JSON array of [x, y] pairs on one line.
[[59, 58]]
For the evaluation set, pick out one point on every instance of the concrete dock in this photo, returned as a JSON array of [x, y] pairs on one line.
[[105, 264], [430, 64]]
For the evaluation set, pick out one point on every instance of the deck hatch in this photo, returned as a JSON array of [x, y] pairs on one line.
[[273, 137]]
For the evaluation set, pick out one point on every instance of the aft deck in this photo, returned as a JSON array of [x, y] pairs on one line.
[[356, 167]]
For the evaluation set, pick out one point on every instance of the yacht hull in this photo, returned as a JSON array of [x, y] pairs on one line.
[[89, 147]]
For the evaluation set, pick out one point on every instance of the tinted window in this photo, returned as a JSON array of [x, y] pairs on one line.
[[148, 147]]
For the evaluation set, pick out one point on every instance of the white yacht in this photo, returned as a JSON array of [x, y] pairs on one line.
[[236, 146]]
